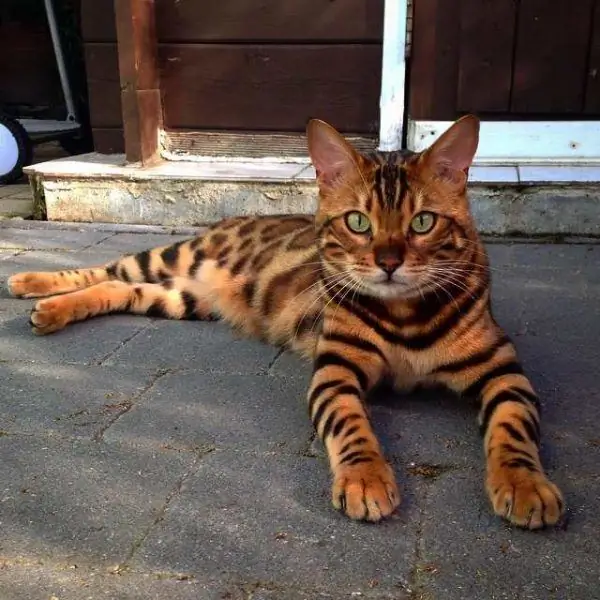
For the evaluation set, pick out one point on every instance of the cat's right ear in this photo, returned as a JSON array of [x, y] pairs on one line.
[[332, 156]]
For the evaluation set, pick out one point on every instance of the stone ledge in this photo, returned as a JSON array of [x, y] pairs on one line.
[[100, 188]]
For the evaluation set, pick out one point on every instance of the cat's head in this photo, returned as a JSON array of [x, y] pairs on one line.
[[395, 224]]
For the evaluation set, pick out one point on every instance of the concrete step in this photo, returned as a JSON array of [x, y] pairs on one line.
[[506, 199]]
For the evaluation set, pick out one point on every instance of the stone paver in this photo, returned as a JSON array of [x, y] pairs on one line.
[[35, 239], [245, 412], [81, 502], [19, 190], [16, 206], [265, 517], [205, 346], [135, 242], [148, 459]]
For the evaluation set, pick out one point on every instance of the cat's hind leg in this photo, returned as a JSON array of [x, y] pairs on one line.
[[37, 284], [150, 266], [177, 298]]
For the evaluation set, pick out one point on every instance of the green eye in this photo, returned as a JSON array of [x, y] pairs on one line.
[[358, 222], [423, 222]]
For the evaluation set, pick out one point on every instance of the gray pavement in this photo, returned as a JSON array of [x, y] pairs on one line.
[[146, 459]]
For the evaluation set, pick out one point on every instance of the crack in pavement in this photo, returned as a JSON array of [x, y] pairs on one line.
[[98, 436], [92, 245], [102, 360], [199, 454]]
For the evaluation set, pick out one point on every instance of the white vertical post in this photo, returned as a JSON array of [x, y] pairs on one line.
[[391, 103]]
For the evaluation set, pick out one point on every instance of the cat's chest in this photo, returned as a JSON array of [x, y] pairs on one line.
[[408, 369]]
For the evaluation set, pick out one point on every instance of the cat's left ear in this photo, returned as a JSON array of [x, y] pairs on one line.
[[452, 153], [331, 155]]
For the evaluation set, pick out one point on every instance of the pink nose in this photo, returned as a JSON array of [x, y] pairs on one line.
[[388, 263]]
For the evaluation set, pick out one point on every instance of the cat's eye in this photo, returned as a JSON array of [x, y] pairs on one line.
[[423, 222], [358, 222]]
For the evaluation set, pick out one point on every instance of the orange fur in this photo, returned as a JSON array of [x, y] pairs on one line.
[[406, 296]]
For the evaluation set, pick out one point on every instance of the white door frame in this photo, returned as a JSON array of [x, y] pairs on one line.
[[393, 75], [501, 142]]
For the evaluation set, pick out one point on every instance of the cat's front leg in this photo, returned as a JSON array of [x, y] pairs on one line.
[[345, 368], [509, 419]]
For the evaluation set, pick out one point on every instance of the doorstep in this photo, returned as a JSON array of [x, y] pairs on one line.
[[506, 199]]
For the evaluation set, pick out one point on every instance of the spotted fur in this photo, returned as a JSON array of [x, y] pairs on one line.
[[391, 301]]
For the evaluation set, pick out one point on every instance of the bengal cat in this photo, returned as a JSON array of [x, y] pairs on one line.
[[389, 279]]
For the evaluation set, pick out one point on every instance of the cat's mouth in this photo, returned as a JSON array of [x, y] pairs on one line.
[[396, 285]]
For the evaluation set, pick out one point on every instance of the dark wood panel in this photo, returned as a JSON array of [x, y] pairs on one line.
[[98, 22], [592, 92], [487, 30], [249, 20], [270, 87], [109, 141], [551, 57], [434, 61], [28, 73], [250, 144], [102, 65]]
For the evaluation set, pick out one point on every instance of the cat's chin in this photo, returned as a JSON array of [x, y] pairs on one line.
[[391, 290]]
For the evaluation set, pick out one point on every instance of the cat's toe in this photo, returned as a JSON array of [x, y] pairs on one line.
[[525, 499], [48, 316], [366, 491]]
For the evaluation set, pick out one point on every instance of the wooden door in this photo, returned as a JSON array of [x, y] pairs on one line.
[[245, 66], [505, 59]]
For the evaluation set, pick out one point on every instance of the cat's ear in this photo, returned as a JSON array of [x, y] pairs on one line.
[[452, 153], [331, 155]]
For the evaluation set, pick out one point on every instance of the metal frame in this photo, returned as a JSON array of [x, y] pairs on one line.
[[46, 129], [501, 142]]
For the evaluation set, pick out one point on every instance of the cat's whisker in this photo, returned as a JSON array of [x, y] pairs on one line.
[[347, 281], [355, 285], [438, 285], [336, 279], [459, 284]]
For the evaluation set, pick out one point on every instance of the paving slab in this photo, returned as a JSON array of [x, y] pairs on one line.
[[39, 580], [88, 343], [151, 459], [465, 553], [42, 581], [128, 243], [268, 518], [49, 240], [17, 189], [67, 400], [555, 256], [81, 502], [288, 364], [207, 346], [245, 412], [16, 206]]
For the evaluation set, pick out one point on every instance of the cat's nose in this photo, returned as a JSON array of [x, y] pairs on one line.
[[388, 263]]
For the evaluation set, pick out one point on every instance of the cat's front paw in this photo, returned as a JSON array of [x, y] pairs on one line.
[[366, 491], [50, 315], [527, 499]]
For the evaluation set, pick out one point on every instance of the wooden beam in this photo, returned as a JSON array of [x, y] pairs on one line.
[[138, 71]]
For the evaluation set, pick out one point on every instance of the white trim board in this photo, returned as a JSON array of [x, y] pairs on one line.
[[393, 72], [522, 142]]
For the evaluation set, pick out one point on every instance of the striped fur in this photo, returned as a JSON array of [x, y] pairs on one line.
[[392, 301]]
